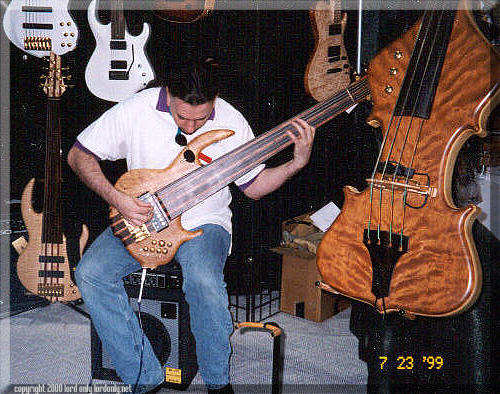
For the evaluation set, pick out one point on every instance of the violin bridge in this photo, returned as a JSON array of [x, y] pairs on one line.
[[412, 188]]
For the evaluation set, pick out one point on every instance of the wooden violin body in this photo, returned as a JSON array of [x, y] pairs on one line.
[[437, 271]]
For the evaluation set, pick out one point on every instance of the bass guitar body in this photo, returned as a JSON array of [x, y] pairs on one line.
[[118, 66], [156, 242], [41, 27], [402, 244], [328, 70], [43, 267]]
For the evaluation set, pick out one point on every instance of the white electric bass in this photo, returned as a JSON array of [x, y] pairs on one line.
[[40, 27], [119, 66]]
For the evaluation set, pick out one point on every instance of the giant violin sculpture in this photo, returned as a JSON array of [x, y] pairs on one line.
[[402, 244]]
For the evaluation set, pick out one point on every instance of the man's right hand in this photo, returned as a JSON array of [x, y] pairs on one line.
[[135, 211]]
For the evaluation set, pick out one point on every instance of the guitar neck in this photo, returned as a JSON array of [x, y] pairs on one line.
[[198, 185], [52, 227], [118, 23]]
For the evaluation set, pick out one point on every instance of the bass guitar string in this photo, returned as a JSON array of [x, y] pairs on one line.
[[427, 29], [414, 152], [272, 137], [441, 14], [408, 74], [199, 175]]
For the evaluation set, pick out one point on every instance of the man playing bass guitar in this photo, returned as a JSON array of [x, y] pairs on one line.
[[149, 130]]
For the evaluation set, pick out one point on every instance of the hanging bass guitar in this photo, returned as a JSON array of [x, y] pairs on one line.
[[118, 66], [328, 69], [43, 266], [40, 27], [185, 183], [402, 244]]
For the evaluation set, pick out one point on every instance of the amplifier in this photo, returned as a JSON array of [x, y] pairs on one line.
[[167, 276], [165, 320]]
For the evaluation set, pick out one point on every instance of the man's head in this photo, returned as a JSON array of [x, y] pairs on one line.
[[192, 89]]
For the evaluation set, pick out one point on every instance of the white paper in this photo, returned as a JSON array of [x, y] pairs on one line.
[[324, 217]]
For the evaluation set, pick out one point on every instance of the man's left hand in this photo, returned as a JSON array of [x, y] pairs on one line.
[[303, 142]]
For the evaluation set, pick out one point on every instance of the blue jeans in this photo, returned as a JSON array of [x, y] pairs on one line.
[[99, 278]]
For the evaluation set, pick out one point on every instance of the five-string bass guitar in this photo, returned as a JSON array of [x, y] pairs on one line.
[[118, 66], [402, 244], [43, 266], [40, 27], [185, 183]]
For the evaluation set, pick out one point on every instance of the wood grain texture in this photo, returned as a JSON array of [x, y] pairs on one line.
[[28, 263], [149, 252], [440, 275], [318, 82]]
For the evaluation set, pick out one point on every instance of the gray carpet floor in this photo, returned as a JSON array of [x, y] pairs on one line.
[[49, 348]]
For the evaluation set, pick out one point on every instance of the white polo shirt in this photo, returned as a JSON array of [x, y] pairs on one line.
[[142, 131]]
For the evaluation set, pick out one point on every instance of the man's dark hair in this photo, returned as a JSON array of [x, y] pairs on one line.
[[195, 82]]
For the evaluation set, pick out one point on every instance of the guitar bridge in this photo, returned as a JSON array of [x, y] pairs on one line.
[[38, 43], [160, 218], [50, 290]]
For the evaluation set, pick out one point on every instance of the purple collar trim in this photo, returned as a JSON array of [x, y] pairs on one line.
[[163, 107]]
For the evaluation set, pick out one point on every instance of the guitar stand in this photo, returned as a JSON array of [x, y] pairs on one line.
[[276, 332]]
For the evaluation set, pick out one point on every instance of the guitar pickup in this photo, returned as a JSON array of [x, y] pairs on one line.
[[393, 167], [120, 45], [50, 274], [118, 75], [334, 51], [38, 26], [51, 259], [119, 64], [335, 29], [334, 70], [35, 9]]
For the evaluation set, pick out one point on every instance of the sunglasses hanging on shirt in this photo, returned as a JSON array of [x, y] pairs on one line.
[[181, 140]]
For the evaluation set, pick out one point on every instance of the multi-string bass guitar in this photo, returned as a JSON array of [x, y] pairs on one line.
[[186, 182], [40, 27], [402, 244], [43, 266]]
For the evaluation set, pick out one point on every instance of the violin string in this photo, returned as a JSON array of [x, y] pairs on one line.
[[398, 165], [383, 146]]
